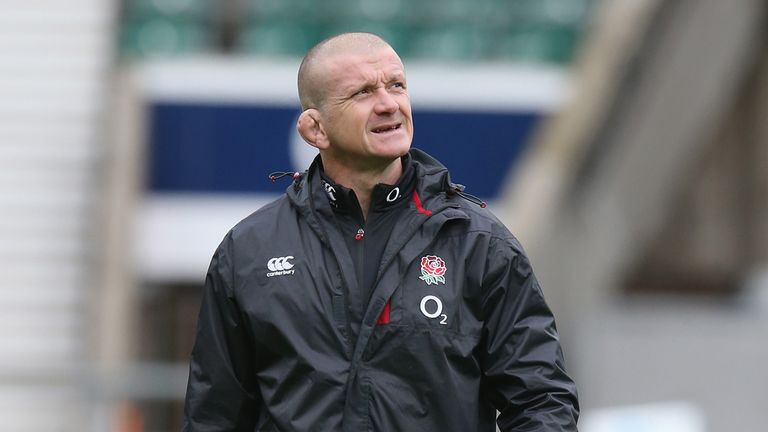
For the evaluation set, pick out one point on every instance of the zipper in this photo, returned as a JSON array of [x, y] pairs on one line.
[[359, 236]]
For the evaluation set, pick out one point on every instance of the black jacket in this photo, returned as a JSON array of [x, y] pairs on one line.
[[455, 329]]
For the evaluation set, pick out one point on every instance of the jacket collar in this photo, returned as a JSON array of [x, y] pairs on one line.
[[384, 196], [432, 187]]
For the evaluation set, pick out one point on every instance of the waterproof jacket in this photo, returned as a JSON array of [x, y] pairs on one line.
[[456, 327]]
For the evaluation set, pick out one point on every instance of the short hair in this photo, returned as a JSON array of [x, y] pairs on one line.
[[310, 95]]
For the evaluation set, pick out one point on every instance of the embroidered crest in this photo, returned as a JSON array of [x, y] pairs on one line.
[[432, 270]]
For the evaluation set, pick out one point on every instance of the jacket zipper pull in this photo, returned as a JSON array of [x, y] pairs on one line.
[[360, 234]]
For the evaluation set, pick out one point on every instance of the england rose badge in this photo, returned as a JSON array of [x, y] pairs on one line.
[[432, 270]]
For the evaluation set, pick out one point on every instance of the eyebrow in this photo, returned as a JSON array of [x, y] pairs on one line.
[[397, 76], [367, 84], [354, 88]]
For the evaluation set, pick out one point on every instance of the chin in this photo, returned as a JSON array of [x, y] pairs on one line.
[[395, 151]]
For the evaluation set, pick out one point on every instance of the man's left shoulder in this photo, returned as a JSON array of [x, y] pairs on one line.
[[484, 220]]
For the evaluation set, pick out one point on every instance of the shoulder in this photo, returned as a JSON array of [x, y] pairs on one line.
[[262, 235], [484, 220], [503, 245], [264, 220], [269, 225]]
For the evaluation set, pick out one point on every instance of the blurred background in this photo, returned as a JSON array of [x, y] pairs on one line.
[[624, 142]]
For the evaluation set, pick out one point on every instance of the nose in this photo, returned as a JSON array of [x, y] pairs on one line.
[[385, 103]]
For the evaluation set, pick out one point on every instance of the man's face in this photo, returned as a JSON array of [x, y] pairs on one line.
[[367, 111]]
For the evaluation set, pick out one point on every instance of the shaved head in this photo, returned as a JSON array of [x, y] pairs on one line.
[[312, 72]]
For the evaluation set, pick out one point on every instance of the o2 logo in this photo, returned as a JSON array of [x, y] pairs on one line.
[[432, 308]]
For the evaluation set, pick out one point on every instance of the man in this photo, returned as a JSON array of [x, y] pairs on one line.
[[374, 295]]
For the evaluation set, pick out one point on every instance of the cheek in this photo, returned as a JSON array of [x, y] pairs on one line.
[[352, 118], [405, 101], [405, 106]]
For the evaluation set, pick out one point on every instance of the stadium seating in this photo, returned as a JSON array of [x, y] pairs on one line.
[[509, 30]]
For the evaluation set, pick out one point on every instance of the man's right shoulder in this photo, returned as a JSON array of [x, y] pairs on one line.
[[273, 224], [264, 220]]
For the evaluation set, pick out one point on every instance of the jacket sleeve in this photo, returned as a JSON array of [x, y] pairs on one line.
[[221, 392], [523, 371]]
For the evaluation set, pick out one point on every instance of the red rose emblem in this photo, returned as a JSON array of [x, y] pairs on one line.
[[432, 270]]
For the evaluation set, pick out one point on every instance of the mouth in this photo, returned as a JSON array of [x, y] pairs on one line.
[[387, 128]]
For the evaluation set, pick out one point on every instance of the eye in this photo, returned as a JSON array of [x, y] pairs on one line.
[[364, 91], [399, 85]]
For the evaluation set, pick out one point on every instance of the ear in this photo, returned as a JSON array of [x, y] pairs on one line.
[[311, 129]]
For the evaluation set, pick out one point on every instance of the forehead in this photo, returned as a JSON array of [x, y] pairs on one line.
[[349, 69]]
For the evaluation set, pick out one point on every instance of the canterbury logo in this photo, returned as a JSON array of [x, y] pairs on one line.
[[280, 263], [280, 266]]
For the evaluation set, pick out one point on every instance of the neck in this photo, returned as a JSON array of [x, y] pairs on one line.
[[363, 181]]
